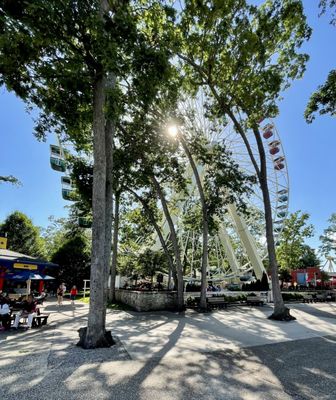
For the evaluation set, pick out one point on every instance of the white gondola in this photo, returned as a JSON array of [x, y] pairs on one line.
[[67, 189], [57, 160]]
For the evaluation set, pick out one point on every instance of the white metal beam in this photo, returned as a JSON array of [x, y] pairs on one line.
[[248, 241]]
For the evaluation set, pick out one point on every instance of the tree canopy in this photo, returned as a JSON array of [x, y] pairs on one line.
[[292, 248], [323, 100], [22, 235], [328, 239]]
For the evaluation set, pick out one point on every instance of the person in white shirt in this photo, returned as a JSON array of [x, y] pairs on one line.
[[29, 311], [4, 313]]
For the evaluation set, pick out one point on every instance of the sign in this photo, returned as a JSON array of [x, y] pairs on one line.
[[31, 267], [3, 243]]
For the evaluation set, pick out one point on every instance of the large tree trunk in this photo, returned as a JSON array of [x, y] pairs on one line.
[[161, 238], [109, 138], [180, 285], [280, 311], [204, 267], [94, 335], [115, 245], [109, 135]]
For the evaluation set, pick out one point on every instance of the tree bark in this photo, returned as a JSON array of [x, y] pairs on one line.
[[94, 335], [109, 135], [109, 138], [115, 245], [205, 233], [180, 285], [280, 311], [159, 233]]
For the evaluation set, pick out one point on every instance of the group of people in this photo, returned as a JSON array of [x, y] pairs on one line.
[[213, 288], [61, 291], [27, 310]]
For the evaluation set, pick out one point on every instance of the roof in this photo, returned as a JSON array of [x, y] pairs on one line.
[[10, 255], [14, 256]]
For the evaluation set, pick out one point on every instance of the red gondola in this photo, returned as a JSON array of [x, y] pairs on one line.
[[274, 150], [267, 134]]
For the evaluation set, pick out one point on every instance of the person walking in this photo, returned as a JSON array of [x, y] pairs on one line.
[[60, 293], [73, 294]]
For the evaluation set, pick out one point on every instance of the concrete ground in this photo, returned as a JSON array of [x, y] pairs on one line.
[[229, 354]]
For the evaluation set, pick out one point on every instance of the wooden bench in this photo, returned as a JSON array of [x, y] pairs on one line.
[[216, 302], [254, 301]]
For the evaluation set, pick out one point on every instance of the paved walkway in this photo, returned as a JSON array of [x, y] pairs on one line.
[[231, 354]]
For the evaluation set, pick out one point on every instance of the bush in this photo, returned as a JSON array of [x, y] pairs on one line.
[[291, 296]]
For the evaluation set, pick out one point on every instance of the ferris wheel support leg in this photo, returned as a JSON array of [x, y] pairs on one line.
[[247, 241], [225, 239]]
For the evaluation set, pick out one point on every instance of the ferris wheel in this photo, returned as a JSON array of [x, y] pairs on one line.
[[239, 245], [58, 162]]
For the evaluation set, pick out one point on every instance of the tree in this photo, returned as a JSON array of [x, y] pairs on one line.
[[66, 58], [73, 258], [58, 66], [57, 232], [291, 249], [22, 235], [328, 239], [243, 57], [223, 184], [308, 257], [324, 99]]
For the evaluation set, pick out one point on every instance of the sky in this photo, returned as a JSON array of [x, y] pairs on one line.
[[309, 149]]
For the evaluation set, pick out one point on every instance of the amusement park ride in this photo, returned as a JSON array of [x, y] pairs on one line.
[[238, 248], [58, 163]]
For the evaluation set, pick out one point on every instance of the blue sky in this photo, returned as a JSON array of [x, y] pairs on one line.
[[310, 149]]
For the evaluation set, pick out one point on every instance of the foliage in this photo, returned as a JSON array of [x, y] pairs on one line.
[[149, 262], [292, 296], [73, 257], [22, 235], [244, 57], [324, 5], [10, 179], [308, 258], [324, 277], [291, 248], [328, 239], [324, 99], [257, 285], [57, 232]]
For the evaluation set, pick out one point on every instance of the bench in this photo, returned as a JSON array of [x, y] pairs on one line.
[[216, 302], [320, 298], [254, 301], [307, 298], [40, 320]]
